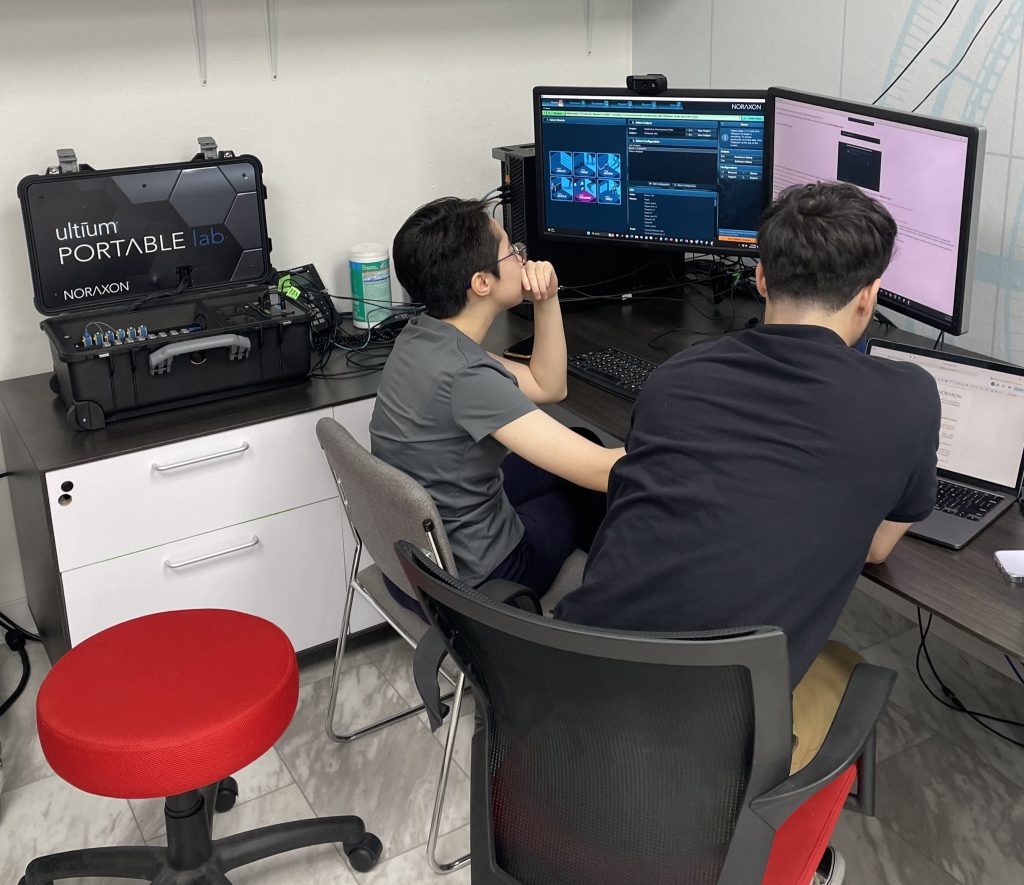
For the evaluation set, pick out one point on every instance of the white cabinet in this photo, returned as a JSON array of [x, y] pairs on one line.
[[247, 519], [120, 505], [355, 417]]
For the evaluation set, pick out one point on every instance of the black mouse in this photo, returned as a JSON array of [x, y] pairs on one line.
[[390, 327]]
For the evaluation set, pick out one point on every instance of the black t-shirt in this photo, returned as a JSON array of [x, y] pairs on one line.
[[758, 468]]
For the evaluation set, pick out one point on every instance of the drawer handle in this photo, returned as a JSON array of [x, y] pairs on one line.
[[247, 546], [163, 468]]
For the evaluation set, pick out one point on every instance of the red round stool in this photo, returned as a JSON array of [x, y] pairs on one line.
[[172, 705]]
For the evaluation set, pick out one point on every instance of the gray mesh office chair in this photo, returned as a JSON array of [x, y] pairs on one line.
[[605, 757], [385, 505]]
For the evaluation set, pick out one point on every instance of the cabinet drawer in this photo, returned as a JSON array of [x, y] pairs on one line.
[[288, 568], [120, 505], [355, 418]]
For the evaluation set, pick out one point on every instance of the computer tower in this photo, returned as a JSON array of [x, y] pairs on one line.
[[578, 264]]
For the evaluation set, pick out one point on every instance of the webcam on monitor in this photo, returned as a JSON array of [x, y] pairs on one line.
[[647, 84]]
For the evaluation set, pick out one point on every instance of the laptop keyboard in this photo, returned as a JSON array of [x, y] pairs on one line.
[[617, 372], [961, 501]]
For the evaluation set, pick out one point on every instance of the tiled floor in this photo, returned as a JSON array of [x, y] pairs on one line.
[[950, 807]]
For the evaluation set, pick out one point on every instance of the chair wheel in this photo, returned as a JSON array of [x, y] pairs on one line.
[[227, 794], [364, 854]]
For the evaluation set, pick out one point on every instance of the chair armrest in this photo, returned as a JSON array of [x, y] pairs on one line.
[[850, 736], [426, 665], [431, 649], [511, 593]]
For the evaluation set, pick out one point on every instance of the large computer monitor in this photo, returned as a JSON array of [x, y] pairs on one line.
[[926, 171], [680, 170]]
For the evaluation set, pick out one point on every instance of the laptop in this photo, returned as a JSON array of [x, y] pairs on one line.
[[981, 440]]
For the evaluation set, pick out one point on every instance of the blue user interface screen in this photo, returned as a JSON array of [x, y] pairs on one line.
[[664, 170]]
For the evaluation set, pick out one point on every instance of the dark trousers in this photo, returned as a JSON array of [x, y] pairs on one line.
[[557, 516]]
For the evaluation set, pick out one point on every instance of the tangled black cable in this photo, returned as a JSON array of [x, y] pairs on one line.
[[16, 637], [948, 697]]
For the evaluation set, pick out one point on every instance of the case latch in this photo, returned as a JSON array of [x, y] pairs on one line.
[[67, 162], [208, 150]]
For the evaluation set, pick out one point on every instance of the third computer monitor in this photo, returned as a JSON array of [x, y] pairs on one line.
[[681, 170], [926, 172]]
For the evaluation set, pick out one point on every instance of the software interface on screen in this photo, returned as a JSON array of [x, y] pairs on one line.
[[665, 170], [918, 174], [982, 430]]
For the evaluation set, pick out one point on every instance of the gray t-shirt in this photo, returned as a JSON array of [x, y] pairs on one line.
[[440, 397]]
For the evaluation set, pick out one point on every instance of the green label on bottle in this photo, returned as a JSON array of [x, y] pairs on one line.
[[371, 292]]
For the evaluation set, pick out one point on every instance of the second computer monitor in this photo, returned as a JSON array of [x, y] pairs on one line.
[[681, 170], [926, 172]]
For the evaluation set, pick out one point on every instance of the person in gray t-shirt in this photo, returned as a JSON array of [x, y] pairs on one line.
[[448, 412]]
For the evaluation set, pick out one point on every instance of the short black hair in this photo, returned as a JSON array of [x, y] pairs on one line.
[[820, 244], [440, 247]]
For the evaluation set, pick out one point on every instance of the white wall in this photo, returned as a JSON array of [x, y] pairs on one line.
[[380, 105], [854, 48]]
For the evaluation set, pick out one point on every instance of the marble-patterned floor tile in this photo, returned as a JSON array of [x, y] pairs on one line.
[[953, 807], [393, 656], [22, 756], [49, 815], [411, 868], [319, 664], [875, 855], [977, 685], [266, 775], [317, 865], [388, 778], [899, 729], [19, 612], [866, 622], [462, 754]]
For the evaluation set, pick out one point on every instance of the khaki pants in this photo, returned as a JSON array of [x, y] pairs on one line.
[[816, 700]]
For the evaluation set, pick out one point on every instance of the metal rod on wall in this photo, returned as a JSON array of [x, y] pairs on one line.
[[199, 26], [588, 25], [271, 7]]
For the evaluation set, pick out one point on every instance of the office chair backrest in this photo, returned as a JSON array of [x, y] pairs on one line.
[[383, 503], [611, 756]]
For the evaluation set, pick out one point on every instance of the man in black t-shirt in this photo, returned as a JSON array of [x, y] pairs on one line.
[[763, 469]]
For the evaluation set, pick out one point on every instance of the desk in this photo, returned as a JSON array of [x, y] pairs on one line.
[[962, 587]]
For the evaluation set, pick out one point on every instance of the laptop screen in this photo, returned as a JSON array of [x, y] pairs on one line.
[[982, 431]]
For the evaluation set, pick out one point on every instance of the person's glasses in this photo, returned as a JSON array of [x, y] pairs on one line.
[[519, 251]]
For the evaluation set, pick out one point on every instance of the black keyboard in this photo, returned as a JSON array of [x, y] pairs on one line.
[[964, 502], [617, 372]]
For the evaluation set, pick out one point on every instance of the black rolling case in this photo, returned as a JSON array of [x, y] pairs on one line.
[[155, 280]]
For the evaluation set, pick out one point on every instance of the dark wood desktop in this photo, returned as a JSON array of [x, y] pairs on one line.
[[962, 587]]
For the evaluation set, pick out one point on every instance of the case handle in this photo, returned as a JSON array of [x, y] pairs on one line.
[[160, 360]]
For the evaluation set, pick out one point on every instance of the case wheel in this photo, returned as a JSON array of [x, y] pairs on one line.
[[227, 794], [54, 383], [86, 416], [364, 854]]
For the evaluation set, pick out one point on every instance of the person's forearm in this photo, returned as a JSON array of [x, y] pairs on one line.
[[887, 536], [549, 358]]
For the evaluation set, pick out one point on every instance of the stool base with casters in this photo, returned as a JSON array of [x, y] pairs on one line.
[[191, 857]]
